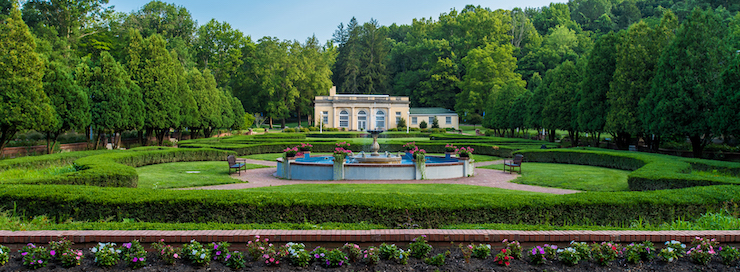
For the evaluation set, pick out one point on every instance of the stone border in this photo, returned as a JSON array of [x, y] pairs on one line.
[[365, 236]]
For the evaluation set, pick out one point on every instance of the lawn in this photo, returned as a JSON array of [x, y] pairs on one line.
[[175, 175], [406, 189], [571, 176], [29, 173]]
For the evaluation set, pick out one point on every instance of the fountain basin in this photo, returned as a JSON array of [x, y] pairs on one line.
[[322, 168]]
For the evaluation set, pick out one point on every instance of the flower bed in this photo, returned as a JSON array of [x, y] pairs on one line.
[[260, 254]]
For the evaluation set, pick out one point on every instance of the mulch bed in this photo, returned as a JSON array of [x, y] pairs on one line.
[[454, 262]]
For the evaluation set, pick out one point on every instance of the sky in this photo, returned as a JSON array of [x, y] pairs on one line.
[[300, 19]]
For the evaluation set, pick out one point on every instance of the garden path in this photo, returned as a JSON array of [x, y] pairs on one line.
[[264, 177]]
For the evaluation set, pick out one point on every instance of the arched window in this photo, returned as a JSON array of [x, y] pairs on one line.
[[344, 118], [362, 120], [380, 119]]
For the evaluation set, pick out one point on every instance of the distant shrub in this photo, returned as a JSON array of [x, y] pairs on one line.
[[423, 124]]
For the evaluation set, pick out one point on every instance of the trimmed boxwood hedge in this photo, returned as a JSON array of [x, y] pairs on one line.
[[390, 209], [116, 168], [650, 171]]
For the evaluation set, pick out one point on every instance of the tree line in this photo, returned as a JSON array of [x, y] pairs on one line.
[[588, 66]]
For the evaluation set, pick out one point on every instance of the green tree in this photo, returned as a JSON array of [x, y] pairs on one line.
[[488, 69], [314, 63], [435, 122], [593, 104], [726, 119], [188, 106], [635, 69], [401, 123], [687, 78], [423, 124], [155, 73], [561, 84], [517, 116], [108, 87], [500, 104], [23, 103], [69, 102], [207, 111], [277, 73], [219, 48]]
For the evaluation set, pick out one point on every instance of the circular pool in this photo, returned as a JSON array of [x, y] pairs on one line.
[[324, 168]]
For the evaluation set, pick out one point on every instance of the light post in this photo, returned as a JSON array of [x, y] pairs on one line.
[[408, 122], [321, 122]]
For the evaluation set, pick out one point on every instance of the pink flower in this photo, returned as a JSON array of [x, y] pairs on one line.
[[135, 259], [78, 257], [175, 256], [272, 259], [40, 261], [265, 256], [24, 253], [52, 252]]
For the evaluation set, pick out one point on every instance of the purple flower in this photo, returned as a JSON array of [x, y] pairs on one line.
[[52, 252], [341, 262], [40, 261], [24, 253], [135, 259], [327, 263], [218, 253], [127, 245], [215, 246]]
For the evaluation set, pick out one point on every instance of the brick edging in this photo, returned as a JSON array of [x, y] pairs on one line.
[[364, 236]]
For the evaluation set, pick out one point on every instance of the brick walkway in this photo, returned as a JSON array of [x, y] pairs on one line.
[[264, 177], [364, 236]]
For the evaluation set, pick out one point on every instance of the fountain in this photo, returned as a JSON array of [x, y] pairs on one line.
[[374, 166], [375, 157]]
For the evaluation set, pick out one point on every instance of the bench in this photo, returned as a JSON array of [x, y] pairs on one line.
[[234, 165], [517, 162]]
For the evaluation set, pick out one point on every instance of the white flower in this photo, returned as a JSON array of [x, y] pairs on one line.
[[670, 249], [683, 246], [203, 256], [670, 259], [94, 249], [194, 253], [559, 250], [489, 246]]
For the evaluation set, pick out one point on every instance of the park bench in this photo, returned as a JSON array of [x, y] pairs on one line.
[[517, 162], [234, 165]]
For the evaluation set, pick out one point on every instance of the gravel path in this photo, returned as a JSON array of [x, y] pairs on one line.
[[264, 177]]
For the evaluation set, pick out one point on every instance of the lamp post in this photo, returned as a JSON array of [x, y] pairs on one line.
[[408, 122], [321, 122]]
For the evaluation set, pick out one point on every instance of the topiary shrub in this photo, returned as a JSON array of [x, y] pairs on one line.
[[423, 124]]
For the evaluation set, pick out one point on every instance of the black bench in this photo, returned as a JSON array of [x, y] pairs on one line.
[[517, 162], [234, 165]]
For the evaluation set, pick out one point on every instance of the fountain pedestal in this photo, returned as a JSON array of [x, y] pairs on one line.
[[375, 146], [376, 157]]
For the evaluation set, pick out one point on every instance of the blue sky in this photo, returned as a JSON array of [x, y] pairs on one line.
[[299, 19]]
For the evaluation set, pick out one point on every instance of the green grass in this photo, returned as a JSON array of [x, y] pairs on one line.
[[174, 175], [571, 176], [714, 173], [30, 173], [434, 189]]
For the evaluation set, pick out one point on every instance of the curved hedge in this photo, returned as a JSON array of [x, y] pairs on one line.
[[650, 171], [427, 210], [116, 168]]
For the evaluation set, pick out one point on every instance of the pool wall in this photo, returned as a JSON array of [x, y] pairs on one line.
[[367, 171]]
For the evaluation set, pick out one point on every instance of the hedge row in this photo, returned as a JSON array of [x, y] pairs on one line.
[[650, 171], [389, 209], [116, 168], [57, 159]]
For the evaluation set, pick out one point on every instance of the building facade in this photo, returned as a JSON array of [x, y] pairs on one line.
[[363, 112]]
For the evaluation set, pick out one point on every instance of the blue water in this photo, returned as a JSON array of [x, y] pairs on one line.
[[404, 160]]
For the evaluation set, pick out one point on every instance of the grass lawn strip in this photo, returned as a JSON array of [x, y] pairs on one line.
[[175, 175], [571, 176]]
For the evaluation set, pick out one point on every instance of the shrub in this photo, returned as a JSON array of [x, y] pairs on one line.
[[297, 254], [71, 257], [419, 247], [504, 257], [305, 130], [256, 247], [729, 254], [313, 128], [353, 251], [196, 253], [435, 123], [167, 253], [401, 123], [437, 260], [235, 260], [133, 254], [538, 255], [106, 254], [4, 255], [219, 251], [288, 130], [634, 253], [370, 256], [35, 257], [423, 124], [514, 248], [392, 252], [569, 256], [702, 250], [334, 258], [605, 252]]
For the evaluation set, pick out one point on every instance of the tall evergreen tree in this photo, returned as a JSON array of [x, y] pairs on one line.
[[23, 103], [69, 102], [687, 78], [562, 84], [593, 105]]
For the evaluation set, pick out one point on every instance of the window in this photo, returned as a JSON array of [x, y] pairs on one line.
[[398, 117], [413, 120], [361, 120], [448, 120], [431, 121], [380, 119], [344, 118], [325, 115], [398, 114]]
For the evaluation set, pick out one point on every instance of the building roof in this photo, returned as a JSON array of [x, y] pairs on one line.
[[431, 111]]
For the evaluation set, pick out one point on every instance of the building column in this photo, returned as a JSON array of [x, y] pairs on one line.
[[352, 120], [371, 118]]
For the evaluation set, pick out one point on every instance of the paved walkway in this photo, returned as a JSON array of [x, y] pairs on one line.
[[264, 177]]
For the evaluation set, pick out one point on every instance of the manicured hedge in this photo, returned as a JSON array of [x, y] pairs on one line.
[[650, 171], [47, 160], [116, 168], [389, 209]]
